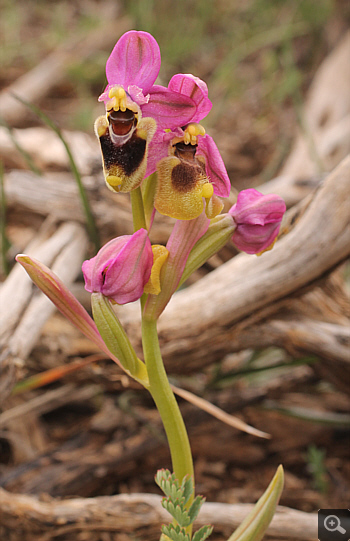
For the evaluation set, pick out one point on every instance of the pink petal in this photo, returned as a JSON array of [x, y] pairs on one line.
[[169, 109], [157, 149], [121, 268], [258, 218], [135, 60], [215, 167], [93, 269], [253, 239], [105, 94], [128, 274], [137, 95], [252, 207], [194, 88]]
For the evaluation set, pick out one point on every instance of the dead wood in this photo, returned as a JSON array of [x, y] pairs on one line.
[[314, 247], [26, 309], [133, 513], [85, 463], [208, 315], [56, 194], [47, 151], [47, 402], [325, 139], [89, 461]]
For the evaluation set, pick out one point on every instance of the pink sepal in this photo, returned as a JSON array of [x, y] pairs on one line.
[[196, 89], [183, 237], [215, 167], [121, 268], [135, 60], [169, 109], [258, 219]]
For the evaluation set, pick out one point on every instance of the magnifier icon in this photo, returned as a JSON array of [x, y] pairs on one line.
[[332, 524]]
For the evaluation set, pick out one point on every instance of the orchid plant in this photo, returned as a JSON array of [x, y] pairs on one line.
[[154, 147]]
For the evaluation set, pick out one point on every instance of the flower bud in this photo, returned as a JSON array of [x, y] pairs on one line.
[[258, 218], [121, 269]]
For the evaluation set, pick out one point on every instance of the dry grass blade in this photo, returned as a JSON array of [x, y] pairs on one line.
[[213, 410]]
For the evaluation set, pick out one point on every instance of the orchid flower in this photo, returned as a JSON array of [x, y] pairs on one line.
[[187, 160], [121, 269], [134, 108], [258, 219]]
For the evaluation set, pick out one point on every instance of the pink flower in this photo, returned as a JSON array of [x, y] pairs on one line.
[[134, 65], [188, 160], [258, 218], [121, 269], [192, 87], [135, 108]]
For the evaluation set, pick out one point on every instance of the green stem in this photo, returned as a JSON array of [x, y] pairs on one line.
[[165, 401], [138, 213]]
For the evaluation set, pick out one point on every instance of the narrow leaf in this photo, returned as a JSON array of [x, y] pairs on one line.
[[5, 244], [68, 305], [187, 485], [195, 508], [203, 533], [59, 294], [256, 523], [48, 376], [116, 339], [26, 156]]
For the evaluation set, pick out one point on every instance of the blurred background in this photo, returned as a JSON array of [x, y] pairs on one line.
[[260, 60]]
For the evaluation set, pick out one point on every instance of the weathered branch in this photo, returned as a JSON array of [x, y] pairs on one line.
[[133, 513], [26, 310], [58, 196], [325, 140]]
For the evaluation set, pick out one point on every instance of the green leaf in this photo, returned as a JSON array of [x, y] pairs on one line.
[[202, 533], [70, 307], [177, 511], [195, 508], [175, 533], [187, 488], [116, 339], [220, 230], [256, 523]]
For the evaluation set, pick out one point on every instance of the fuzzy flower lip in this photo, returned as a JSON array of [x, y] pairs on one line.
[[134, 66], [258, 219], [121, 269]]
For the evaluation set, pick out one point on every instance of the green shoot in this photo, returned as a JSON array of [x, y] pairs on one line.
[[175, 502]]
